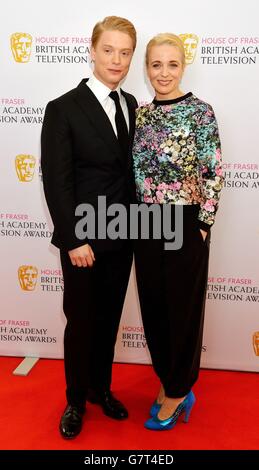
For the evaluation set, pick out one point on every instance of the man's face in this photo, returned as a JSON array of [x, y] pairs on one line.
[[256, 343], [25, 165], [190, 42], [21, 47], [112, 56], [190, 46], [28, 277]]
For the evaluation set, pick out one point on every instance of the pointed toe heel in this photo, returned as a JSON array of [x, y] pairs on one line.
[[155, 408], [156, 424]]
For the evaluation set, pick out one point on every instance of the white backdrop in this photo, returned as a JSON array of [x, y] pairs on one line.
[[53, 58]]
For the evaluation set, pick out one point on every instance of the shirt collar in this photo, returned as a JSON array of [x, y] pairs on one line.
[[100, 90]]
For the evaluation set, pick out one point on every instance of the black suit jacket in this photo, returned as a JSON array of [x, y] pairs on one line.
[[81, 159]]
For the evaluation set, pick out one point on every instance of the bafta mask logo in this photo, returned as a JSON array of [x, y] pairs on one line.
[[190, 42], [27, 277], [21, 47], [256, 342], [25, 165]]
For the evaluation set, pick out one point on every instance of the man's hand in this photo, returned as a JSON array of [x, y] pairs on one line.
[[204, 234], [82, 256]]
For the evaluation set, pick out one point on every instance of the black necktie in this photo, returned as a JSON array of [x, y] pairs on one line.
[[122, 130]]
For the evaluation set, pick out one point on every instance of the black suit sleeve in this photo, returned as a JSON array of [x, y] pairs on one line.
[[58, 175]]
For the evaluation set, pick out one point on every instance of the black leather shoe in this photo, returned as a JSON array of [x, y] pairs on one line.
[[110, 405], [71, 421]]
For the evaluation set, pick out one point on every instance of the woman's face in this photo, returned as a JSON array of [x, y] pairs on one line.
[[165, 70]]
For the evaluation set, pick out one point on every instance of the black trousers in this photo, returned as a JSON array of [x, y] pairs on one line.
[[172, 287], [93, 301]]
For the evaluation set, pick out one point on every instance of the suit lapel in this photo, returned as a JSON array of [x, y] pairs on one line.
[[131, 110], [96, 115], [91, 107]]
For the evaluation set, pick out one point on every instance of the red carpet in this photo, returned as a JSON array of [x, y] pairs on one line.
[[225, 416]]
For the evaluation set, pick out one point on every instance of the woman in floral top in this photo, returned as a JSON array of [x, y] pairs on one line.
[[177, 161]]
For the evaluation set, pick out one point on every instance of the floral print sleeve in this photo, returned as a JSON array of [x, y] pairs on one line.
[[210, 165]]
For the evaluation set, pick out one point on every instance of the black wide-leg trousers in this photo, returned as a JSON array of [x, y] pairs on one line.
[[172, 289], [93, 302]]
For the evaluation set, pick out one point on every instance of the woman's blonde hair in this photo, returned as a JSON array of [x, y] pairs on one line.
[[166, 38], [114, 23]]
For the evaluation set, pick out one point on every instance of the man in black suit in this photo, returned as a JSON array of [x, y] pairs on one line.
[[86, 140]]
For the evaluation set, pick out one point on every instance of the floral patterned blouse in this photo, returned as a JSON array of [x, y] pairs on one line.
[[177, 157]]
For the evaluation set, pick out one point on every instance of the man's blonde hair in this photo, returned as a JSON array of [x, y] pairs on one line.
[[114, 23], [166, 38]]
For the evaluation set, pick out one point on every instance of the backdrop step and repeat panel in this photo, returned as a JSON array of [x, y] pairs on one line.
[[44, 52]]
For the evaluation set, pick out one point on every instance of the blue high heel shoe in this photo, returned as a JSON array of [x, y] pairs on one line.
[[155, 408], [156, 424]]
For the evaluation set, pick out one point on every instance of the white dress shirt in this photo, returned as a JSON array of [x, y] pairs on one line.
[[101, 92]]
